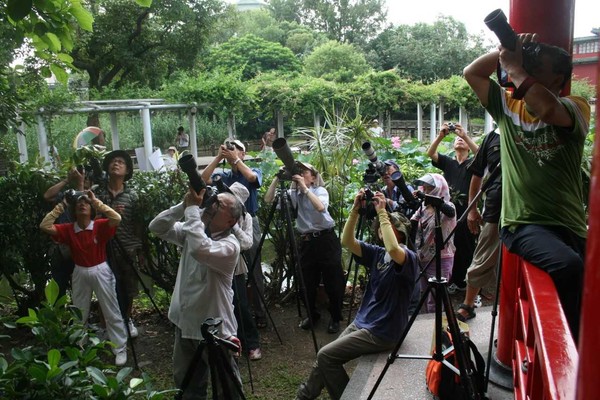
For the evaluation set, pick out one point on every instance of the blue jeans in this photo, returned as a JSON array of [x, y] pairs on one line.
[[559, 252]]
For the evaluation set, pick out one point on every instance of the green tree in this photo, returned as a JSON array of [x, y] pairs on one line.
[[136, 44], [252, 55], [336, 61], [426, 52], [351, 21]]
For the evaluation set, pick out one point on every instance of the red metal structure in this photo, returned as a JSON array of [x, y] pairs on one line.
[[533, 336]]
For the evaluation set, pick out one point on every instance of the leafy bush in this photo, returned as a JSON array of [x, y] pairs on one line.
[[64, 362]]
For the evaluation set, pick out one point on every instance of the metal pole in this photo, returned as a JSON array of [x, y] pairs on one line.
[[114, 129]]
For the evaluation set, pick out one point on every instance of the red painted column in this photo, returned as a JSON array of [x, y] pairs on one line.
[[552, 20], [589, 332]]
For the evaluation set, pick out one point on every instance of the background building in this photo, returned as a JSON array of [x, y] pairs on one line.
[[585, 56]]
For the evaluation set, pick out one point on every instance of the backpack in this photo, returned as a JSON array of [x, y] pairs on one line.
[[443, 383]]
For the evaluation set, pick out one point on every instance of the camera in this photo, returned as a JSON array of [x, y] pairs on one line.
[[72, 195], [187, 163], [229, 145], [92, 171], [284, 153], [451, 127], [376, 168]]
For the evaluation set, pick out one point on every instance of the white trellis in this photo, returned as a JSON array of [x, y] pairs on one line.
[[143, 106]]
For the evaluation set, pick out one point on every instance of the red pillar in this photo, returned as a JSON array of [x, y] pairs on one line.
[[589, 332], [552, 20]]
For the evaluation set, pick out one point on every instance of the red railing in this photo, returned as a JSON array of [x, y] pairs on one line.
[[545, 357]]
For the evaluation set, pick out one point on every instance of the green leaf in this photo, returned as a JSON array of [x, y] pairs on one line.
[[123, 373], [60, 73], [51, 292], [45, 72], [83, 16], [53, 372], [144, 3], [135, 382], [65, 57], [3, 364], [18, 9], [52, 41], [100, 391], [38, 372], [53, 358], [96, 374]]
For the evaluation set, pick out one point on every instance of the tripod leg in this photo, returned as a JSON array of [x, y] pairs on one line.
[[223, 375], [494, 315]]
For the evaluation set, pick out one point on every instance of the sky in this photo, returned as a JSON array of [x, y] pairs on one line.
[[472, 13]]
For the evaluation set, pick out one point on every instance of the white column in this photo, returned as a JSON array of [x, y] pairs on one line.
[[42, 137], [316, 121], [489, 123], [193, 131], [230, 125], [22, 143], [147, 129], [432, 126], [419, 122], [441, 112], [114, 130], [279, 123], [463, 118]]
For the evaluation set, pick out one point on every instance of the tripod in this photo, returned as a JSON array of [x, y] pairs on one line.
[[438, 286], [222, 375], [283, 200]]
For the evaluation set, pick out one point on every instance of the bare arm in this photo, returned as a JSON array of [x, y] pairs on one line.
[[462, 133], [432, 150], [477, 74], [74, 176], [270, 195], [210, 168]]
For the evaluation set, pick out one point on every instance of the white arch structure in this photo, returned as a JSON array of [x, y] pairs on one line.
[[144, 106]]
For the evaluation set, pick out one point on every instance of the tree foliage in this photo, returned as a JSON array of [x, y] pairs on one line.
[[131, 43], [426, 52], [336, 61], [252, 55]]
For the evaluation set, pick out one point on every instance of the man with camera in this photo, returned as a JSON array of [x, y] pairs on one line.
[[203, 288], [125, 249], [383, 313], [234, 152], [459, 179], [542, 136]]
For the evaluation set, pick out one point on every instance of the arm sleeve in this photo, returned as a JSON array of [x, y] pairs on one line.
[[166, 225], [348, 239], [389, 238], [113, 216], [243, 232], [47, 224]]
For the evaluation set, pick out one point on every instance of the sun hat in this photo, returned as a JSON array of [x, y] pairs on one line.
[[119, 153], [426, 179], [239, 191], [319, 180]]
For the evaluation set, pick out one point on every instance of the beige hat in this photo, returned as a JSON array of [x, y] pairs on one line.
[[319, 180], [239, 191], [172, 148]]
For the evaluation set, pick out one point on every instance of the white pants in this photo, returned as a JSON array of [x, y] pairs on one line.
[[100, 280]]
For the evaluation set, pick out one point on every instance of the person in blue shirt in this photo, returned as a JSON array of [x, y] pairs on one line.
[[383, 313], [234, 151]]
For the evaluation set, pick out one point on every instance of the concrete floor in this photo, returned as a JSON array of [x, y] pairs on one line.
[[405, 378]]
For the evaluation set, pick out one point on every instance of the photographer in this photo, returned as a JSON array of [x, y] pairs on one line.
[[61, 261], [319, 247], [234, 152], [392, 193], [542, 138], [383, 313], [459, 178], [87, 240], [125, 249], [424, 224], [203, 287]]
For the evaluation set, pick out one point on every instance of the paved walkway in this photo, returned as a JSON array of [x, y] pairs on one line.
[[405, 378]]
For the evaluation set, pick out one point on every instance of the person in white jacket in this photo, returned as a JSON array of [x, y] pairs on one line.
[[203, 288]]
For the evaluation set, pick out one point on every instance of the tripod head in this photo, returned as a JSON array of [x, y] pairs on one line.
[[210, 333]]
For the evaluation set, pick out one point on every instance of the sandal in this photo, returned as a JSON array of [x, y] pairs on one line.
[[470, 313]]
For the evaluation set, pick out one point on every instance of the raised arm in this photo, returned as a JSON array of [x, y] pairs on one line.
[[477, 74], [114, 218], [349, 241], [210, 168], [47, 224], [392, 247]]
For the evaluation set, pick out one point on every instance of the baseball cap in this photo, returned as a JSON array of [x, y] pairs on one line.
[[375, 121], [392, 163], [426, 179]]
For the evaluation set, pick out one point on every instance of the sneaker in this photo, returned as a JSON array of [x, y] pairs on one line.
[[121, 358], [132, 329], [477, 303], [333, 327], [454, 288], [255, 355]]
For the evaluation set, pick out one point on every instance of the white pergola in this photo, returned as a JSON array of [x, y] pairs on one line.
[[143, 106]]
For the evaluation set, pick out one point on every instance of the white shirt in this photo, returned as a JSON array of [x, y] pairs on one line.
[[203, 288], [243, 232]]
